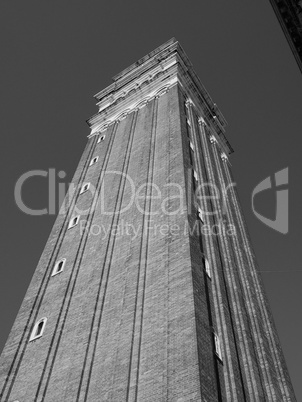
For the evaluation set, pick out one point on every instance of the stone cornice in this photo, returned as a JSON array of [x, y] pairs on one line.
[[147, 62], [137, 69], [152, 76], [205, 109], [136, 94]]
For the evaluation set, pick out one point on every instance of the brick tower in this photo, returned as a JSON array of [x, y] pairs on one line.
[[148, 288]]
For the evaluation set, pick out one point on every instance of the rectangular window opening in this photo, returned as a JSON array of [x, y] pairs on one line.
[[217, 346], [59, 266], [73, 221], [85, 187], [207, 268], [93, 160], [201, 215], [101, 138]]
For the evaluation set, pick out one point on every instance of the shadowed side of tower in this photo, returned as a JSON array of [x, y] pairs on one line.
[[140, 300]]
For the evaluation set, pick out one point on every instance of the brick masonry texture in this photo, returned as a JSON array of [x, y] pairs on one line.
[[132, 317]]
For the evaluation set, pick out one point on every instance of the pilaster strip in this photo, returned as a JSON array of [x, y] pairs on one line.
[[249, 305], [47, 371], [223, 262], [102, 289], [218, 312], [231, 391], [226, 255], [44, 282], [241, 329], [255, 276], [133, 378]]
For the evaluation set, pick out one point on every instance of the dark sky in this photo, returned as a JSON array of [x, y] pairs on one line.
[[56, 55]]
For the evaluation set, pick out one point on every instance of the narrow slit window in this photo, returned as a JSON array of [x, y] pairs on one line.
[[93, 160], [38, 330], [84, 188], [191, 157], [201, 215], [191, 146], [59, 266], [207, 268], [189, 123], [193, 179], [74, 221], [101, 138], [195, 175], [217, 346]]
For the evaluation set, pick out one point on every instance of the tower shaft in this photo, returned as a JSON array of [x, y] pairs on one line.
[[148, 288]]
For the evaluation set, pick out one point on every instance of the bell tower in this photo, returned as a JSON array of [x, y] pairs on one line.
[[148, 288]]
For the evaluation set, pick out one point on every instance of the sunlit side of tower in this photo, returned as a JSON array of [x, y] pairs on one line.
[[148, 288]]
